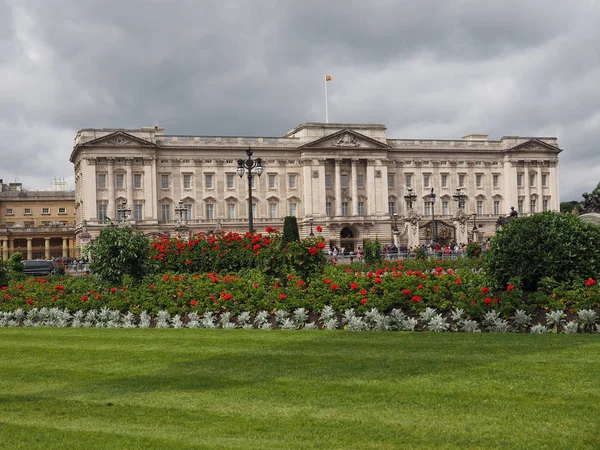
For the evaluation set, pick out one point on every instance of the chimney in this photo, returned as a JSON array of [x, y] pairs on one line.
[[475, 137]]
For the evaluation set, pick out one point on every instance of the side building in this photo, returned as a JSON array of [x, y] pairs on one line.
[[350, 179], [39, 224]]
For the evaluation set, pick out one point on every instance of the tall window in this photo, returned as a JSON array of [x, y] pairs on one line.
[[544, 179], [361, 208], [344, 209], [27, 211], [545, 204], [120, 181], [187, 181], [187, 214], [210, 211], [165, 212], [461, 180], [479, 180], [479, 207], [254, 213], [164, 181], [272, 178], [9, 211], [231, 210], [327, 181], [45, 210], [519, 180], [444, 180], [532, 179], [444, 207], [408, 180], [496, 207], [532, 205], [102, 212], [292, 181], [426, 180], [520, 206], [272, 210], [344, 180], [359, 180], [427, 208], [328, 209], [137, 211], [496, 180], [230, 181], [101, 181], [208, 181], [293, 207], [137, 180], [390, 180], [391, 208]]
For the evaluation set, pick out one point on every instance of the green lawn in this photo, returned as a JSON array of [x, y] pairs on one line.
[[166, 388]]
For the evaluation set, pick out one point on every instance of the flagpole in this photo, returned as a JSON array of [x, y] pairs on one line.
[[326, 110]]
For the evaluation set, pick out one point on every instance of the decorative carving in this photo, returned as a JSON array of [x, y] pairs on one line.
[[347, 140], [220, 162], [471, 163], [413, 219], [591, 203], [282, 162], [315, 174], [435, 163], [453, 163], [370, 162], [91, 161], [378, 174], [197, 161], [418, 162]]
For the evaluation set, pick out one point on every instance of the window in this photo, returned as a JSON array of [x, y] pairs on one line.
[[427, 208], [327, 181], [138, 211], [344, 180], [444, 180], [532, 205], [101, 181], [479, 207], [344, 209], [137, 180], [391, 208], [164, 181], [230, 181], [496, 180], [187, 181], [479, 180], [520, 206], [361, 208], [461, 180], [272, 210], [254, 214], [545, 205], [231, 210], [545, 180], [532, 179], [28, 224], [390, 180], [208, 181], [293, 207], [292, 181], [9, 211], [27, 211], [45, 210], [444, 207], [359, 181], [187, 214], [62, 210], [120, 181], [426, 180], [101, 212], [328, 209], [519, 180], [165, 212], [496, 207], [272, 181], [210, 211], [408, 180]]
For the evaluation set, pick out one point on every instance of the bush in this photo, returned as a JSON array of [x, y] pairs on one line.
[[16, 268], [290, 230], [3, 274], [554, 245], [372, 251]]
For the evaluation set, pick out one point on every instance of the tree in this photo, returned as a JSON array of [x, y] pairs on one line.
[[290, 230], [120, 251], [568, 207], [372, 251]]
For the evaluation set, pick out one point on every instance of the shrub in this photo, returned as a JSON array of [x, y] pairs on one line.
[[473, 250], [548, 244], [3, 274], [16, 267], [372, 251], [290, 230]]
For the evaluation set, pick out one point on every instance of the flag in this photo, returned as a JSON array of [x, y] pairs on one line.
[[328, 78]]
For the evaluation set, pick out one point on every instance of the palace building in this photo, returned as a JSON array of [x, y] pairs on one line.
[[351, 179]]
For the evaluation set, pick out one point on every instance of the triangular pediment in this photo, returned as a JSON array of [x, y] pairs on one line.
[[346, 139], [119, 139], [535, 145]]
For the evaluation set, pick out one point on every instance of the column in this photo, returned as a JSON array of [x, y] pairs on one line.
[[129, 181], [553, 183], [307, 200], [370, 187], [321, 190], [4, 249], [338, 187], [29, 248], [354, 187], [47, 248], [540, 189], [384, 191], [65, 247], [11, 246], [110, 208]]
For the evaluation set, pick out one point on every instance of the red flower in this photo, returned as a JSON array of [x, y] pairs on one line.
[[98, 297], [84, 298], [474, 302], [420, 286], [20, 287], [194, 303], [29, 301], [319, 228], [377, 280], [300, 283], [406, 292], [269, 229], [166, 277], [59, 288], [313, 250], [113, 290], [354, 286], [334, 286], [485, 290], [321, 245], [590, 282], [416, 299], [151, 286], [510, 287], [436, 288], [290, 277], [55, 298], [188, 261], [180, 294], [364, 301], [487, 301], [282, 296], [255, 285], [363, 291], [326, 281], [458, 281]]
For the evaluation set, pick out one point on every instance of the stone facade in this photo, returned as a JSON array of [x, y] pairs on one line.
[[349, 178]]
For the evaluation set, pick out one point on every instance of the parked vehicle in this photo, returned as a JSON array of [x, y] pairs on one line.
[[40, 267]]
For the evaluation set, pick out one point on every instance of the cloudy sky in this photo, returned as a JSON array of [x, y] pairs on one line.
[[434, 69]]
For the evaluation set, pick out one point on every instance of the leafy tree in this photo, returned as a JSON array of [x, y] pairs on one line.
[[16, 268], [372, 251], [290, 230], [120, 251], [559, 246], [567, 207], [3, 273]]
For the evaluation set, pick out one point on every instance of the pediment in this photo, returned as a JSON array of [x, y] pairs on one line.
[[535, 145], [118, 139], [346, 139]]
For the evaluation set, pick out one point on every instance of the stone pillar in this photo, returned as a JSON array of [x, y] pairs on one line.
[[4, 249], [72, 253], [384, 191], [65, 247], [110, 208], [47, 248], [11, 246], [412, 233], [307, 181], [370, 187], [29, 248], [321, 190], [338, 187], [129, 181], [354, 189]]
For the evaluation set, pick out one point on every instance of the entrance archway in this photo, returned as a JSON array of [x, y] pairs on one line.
[[347, 239]]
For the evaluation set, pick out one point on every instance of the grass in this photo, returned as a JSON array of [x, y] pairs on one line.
[[114, 388]]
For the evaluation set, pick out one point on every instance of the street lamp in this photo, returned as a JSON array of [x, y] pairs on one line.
[[460, 197], [123, 211], [475, 229], [248, 166], [433, 224], [395, 217], [410, 197], [310, 220], [180, 210]]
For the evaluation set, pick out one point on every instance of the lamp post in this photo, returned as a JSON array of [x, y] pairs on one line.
[[433, 224], [310, 220], [475, 229], [249, 166], [410, 197], [460, 197], [180, 210], [123, 211]]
